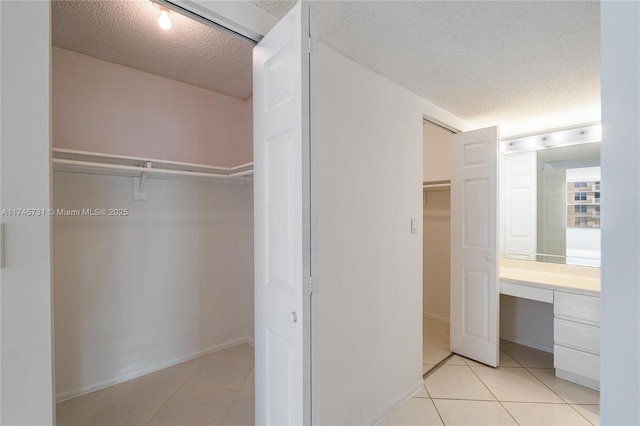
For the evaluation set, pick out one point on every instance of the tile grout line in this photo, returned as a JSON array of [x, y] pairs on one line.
[[238, 394], [437, 366], [492, 394], [230, 407], [528, 369], [181, 386], [547, 386], [582, 415], [437, 411], [163, 405]]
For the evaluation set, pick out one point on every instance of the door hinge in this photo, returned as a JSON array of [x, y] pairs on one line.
[[309, 44], [310, 286]]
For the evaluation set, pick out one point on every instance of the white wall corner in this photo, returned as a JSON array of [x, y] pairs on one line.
[[620, 85]]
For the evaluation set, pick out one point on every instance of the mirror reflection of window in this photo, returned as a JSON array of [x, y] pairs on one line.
[[551, 214]]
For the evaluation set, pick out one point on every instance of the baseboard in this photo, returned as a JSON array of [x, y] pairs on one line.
[[381, 414], [524, 342], [133, 375], [576, 378], [435, 317]]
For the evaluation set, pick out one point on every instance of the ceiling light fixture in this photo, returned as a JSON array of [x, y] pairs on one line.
[[163, 20]]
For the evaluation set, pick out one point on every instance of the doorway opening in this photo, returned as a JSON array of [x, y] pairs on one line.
[[436, 244], [153, 226]]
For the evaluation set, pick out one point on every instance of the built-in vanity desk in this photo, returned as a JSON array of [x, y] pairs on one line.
[[574, 292]]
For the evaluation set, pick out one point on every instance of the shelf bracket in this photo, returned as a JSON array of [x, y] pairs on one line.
[[140, 184]]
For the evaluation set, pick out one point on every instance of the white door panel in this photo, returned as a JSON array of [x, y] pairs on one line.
[[26, 329], [474, 251], [282, 220], [518, 200]]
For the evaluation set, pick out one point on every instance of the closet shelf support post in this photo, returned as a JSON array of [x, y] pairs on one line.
[[140, 184]]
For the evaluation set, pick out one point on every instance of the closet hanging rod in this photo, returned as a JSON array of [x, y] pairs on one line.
[[140, 169], [441, 184], [87, 162]]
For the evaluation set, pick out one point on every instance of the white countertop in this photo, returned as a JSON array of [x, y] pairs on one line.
[[550, 275]]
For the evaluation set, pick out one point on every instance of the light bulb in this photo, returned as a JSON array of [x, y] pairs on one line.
[[164, 21]]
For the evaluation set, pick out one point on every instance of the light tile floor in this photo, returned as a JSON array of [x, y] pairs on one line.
[[435, 343], [522, 391], [216, 389]]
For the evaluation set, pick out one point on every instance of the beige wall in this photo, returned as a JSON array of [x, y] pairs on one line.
[[436, 254], [103, 107], [172, 279], [437, 153], [437, 223]]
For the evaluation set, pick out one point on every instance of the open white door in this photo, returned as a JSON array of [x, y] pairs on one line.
[[26, 344], [475, 292], [281, 156]]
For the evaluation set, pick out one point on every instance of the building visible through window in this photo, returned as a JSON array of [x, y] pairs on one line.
[[583, 204]]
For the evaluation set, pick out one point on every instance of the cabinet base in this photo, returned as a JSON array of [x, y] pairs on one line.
[[578, 379]]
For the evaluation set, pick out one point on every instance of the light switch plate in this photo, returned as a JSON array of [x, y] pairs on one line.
[[414, 225]]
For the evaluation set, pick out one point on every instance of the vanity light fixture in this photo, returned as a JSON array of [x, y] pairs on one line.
[[163, 20], [552, 139]]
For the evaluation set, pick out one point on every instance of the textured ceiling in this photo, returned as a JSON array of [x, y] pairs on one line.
[[127, 33], [525, 65]]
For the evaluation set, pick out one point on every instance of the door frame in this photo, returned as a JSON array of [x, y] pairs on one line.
[[453, 130], [241, 18]]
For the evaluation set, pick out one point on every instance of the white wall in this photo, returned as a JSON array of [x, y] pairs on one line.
[[370, 290], [584, 173], [26, 370], [583, 246], [132, 294], [620, 353], [105, 107], [527, 322]]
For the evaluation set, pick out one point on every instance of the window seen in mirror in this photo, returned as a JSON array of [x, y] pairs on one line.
[[580, 196]]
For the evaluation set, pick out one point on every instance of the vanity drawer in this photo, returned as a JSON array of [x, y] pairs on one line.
[[526, 292], [577, 307], [577, 336], [576, 362]]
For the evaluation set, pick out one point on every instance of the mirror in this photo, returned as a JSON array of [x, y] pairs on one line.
[[550, 199]]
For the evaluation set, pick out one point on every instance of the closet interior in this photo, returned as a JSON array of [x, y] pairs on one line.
[[436, 244], [153, 225]]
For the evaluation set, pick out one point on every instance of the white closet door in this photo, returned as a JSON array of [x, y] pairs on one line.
[[26, 357], [281, 84], [518, 199], [474, 234]]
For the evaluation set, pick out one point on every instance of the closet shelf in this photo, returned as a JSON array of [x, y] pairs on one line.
[[66, 160]]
